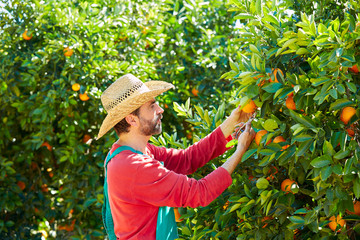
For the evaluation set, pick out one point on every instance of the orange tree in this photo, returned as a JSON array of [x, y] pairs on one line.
[[56, 59], [299, 63]]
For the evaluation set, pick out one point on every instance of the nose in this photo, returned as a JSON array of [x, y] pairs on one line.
[[159, 109]]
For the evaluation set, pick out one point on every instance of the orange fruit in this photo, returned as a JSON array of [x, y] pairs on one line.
[[51, 174], [25, 36], [226, 205], [21, 185], [351, 131], [262, 82], [335, 221], [195, 92], [354, 69], [356, 208], [346, 114], [177, 215], [86, 138], [75, 87], [68, 52], [166, 106], [265, 219], [275, 72], [280, 139], [272, 175], [259, 135], [250, 107], [44, 188], [290, 104], [84, 97], [286, 185], [46, 144]]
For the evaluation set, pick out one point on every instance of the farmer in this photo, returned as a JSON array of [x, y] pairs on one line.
[[143, 182]]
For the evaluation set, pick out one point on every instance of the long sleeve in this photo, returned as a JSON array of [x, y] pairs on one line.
[[187, 161]]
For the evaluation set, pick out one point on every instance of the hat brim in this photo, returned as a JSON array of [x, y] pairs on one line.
[[131, 104]]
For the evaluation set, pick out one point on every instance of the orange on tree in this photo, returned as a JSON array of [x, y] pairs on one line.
[[351, 131], [44, 188], [259, 135], [290, 104], [286, 185], [86, 138], [250, 107], [84, 97], [354, 69], [226, 205], [273, 171], [275, 72], [47, 145], [177, 215], [195, 92], [68, 52], [346, 114], [356, 208], [335, 221], [25, 36], [265, 219], [75, 87], [280, 139], [21, 185]]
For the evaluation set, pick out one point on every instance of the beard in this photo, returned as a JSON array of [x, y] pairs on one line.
[[150, 127]]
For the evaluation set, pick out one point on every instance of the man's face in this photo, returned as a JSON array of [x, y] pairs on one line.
[[150, 116]]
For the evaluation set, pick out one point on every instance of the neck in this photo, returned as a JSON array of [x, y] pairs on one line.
[[136, 141]]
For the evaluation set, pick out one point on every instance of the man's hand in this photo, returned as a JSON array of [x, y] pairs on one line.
[[236, 117], [244, 141]]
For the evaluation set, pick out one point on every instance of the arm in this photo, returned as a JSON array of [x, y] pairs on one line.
[[243, 143], [186, 161], [141, 180]]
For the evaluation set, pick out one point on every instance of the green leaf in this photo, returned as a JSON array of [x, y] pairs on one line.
[[321, 161], [288, 153], [272, 87], [302, 119], [340, 103], [297, 219], [270, 125], [302, 138], [325, 172], [248, 154], [342, 154], [351, 86], [356, 188], [89, 202]]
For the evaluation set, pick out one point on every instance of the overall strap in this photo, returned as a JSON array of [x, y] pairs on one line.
[[106, 211]]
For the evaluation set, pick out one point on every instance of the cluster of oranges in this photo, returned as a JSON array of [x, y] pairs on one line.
[[83, 96]]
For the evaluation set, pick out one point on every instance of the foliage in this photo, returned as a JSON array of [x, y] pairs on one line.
[[316, 48], [51, 166]]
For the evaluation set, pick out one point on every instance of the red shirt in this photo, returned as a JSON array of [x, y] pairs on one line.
[[139, 184]]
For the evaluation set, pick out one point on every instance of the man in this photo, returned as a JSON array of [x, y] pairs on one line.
[[141, 180]]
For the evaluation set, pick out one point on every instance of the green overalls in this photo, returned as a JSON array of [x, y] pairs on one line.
[[166, 228]]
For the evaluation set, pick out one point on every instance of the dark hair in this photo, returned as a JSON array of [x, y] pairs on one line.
[[123, 126]]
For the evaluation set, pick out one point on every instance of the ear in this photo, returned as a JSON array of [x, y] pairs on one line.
[[131, 120]]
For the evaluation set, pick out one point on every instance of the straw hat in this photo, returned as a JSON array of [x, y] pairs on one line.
[[125, 95]]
